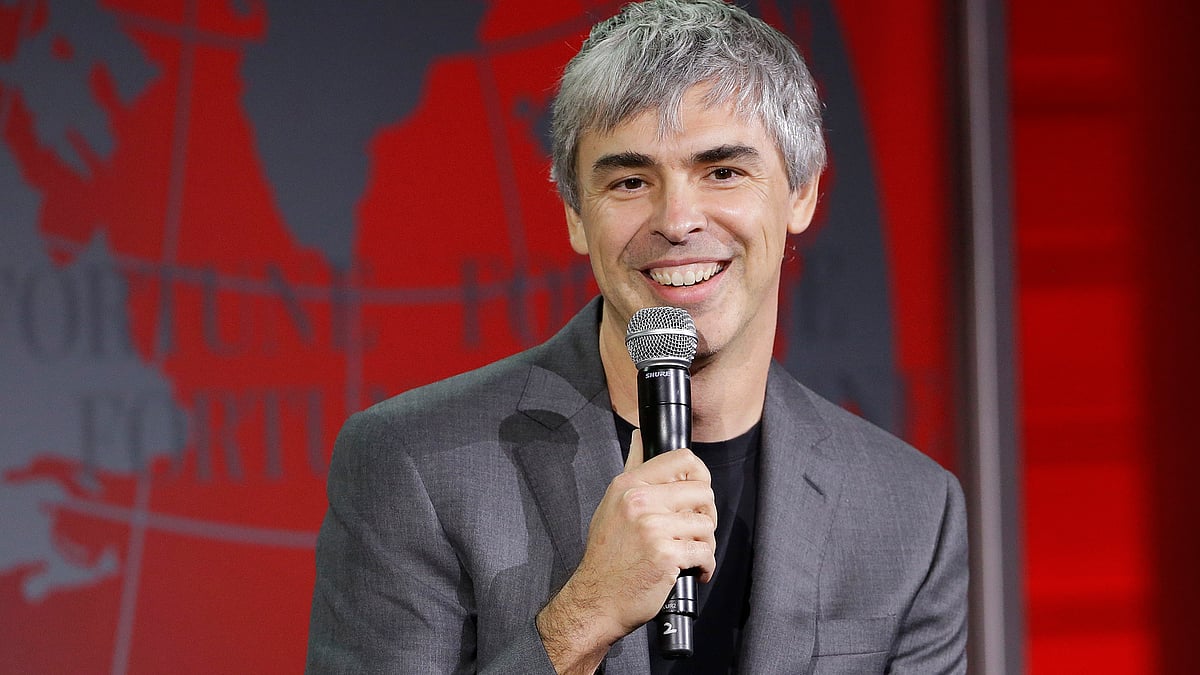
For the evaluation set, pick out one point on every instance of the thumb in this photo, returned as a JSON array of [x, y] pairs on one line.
[[635, 451]]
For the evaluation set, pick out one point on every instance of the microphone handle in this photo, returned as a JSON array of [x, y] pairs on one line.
[[665, 418]]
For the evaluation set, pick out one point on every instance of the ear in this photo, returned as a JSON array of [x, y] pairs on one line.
[[804, 202], [575, 230]]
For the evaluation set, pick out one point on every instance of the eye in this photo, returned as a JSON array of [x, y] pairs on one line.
[[630, 184], [723, 173]]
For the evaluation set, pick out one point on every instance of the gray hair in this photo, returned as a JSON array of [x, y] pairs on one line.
[[651, 53]]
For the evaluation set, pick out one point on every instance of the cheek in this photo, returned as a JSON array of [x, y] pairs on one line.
[[756, 229], [602, 251], [609, 237], [775, 229]]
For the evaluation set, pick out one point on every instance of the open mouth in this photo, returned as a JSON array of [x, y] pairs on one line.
[[685, 275]]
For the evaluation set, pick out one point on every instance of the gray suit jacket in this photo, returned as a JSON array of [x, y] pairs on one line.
[[456, 511]]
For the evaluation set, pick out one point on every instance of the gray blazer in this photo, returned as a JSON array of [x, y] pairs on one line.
[[456, 510]]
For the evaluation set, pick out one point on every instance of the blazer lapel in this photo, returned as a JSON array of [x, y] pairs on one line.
[[568, 461], [569, 453], [797, 499]]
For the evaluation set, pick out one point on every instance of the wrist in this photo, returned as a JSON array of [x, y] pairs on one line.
[[575, 632]]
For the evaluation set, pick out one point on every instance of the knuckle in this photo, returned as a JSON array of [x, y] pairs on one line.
[[646, 528], [622, 482], [633, 500]]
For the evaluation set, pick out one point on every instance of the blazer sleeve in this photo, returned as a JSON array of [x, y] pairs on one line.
[[933, 634], [391, 594]]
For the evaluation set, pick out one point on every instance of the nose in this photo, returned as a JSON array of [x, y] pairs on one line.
[[680, 213]]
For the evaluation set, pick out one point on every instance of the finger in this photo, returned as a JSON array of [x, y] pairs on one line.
[[681, 464], [676, 497], [679, 541], [677, 527], [694, 554], [635, 451]]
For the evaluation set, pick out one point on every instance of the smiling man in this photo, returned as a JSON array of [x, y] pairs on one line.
[[504, 521], [695, 217]]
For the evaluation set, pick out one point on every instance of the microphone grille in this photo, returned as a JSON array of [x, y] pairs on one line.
[[661, 334]]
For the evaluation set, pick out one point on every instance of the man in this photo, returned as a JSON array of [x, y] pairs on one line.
[[488, 522]]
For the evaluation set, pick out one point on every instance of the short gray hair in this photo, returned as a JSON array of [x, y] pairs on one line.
[[651, 53]]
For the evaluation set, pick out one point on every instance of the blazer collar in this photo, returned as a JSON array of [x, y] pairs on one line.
[[799, 486]]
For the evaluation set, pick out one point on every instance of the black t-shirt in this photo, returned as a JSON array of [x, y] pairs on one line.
[[724, 602]]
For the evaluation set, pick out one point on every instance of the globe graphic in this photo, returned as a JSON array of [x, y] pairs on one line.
[[174, 499], [229, 225]]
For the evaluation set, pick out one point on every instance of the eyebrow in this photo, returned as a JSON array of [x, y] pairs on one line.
[[636, 160], [723, 153], [621, 160]]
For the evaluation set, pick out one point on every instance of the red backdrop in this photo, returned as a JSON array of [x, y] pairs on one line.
[[180, 348], [1105, 143]]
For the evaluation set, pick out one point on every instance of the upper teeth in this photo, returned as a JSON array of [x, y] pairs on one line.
[[685, 275]]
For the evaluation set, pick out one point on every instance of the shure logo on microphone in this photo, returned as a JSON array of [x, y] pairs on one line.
[[658, 373]]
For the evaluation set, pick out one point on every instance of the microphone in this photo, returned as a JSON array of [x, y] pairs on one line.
[[662, 343]]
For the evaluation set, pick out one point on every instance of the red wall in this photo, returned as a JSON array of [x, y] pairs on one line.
[[1104, 146], [178, 346], [1105, 143]]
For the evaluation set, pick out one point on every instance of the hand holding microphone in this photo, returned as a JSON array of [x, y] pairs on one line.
[[656, 518]]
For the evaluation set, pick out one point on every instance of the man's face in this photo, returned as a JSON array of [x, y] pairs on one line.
[[697, 219]]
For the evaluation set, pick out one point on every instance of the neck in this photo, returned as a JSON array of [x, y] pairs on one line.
[[728, 389]]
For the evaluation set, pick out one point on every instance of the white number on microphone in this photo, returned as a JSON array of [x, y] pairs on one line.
[[668, 629]]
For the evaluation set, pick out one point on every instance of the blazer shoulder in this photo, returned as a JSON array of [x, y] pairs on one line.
[[452, 409], [548, 383], [874, 454]]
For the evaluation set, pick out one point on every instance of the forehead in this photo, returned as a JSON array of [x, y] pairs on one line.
[[699, 126]]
